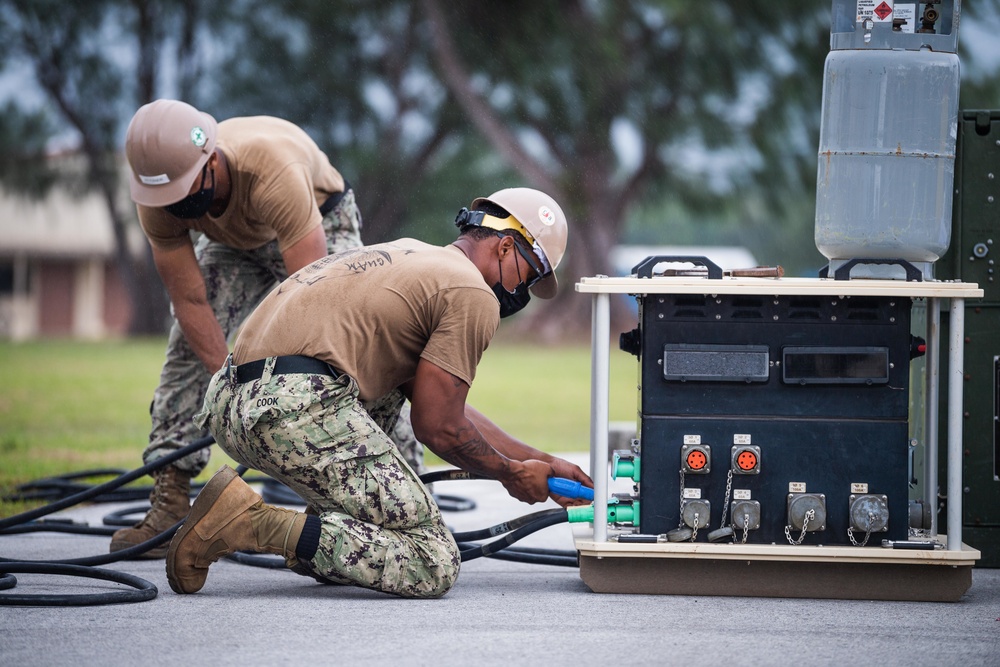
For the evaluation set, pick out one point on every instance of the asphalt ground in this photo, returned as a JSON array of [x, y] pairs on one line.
[[499, 612]]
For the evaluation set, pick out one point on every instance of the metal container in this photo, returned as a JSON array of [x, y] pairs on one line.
[[886, 161]]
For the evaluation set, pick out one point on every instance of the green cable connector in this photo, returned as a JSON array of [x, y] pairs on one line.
[[624, 467], [617, 513], [580, 514]]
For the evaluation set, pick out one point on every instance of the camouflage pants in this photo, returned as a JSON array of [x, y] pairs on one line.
[[236, 281], [381, 529]]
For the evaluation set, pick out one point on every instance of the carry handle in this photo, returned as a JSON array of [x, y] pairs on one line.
[[844, 272], [644, 269]]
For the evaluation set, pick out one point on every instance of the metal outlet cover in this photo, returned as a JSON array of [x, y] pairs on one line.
[[702, 508], [745, 514], [869, 505], [800, 503]]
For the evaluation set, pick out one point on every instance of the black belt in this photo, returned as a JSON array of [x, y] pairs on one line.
[[252, 370], [334, 199]]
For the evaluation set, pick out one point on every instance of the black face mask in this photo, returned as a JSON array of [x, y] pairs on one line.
[[194, 205], [511, 302]]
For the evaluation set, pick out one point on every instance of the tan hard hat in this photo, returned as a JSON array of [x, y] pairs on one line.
[[167, 144], [544, 220]]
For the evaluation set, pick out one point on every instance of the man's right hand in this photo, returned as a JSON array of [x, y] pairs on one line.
[[528, 481]]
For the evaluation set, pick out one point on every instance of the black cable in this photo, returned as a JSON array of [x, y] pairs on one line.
[[448, 503], [510, 538], [56, 488], [276, 493], [500, 549], [258, 560], [562, 553], [449, 475], [60, 486], [83, 567], [144, 590], [58, 491], [505, 527], [531, 556], [86, 474], [104, 559], [514, 529], [107, 486], [120, 517], [58, 527]]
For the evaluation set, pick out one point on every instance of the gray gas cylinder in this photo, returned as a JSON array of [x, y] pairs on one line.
[[886, 153]]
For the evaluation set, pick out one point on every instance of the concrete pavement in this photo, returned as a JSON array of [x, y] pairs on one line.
[[498, 613]]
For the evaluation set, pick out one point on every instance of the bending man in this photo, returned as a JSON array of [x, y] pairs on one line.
[[267, 202]]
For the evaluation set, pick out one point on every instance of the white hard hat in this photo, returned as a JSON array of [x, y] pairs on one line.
[[544, 221], [167, 144]]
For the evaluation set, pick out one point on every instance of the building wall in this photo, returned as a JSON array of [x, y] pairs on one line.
[[57, 273], [56, 295], [62, 297]]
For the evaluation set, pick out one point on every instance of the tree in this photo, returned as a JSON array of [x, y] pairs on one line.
[[562, 89], [86, 85], [357, 76], [626, 111], [418, 114], [23, 139]]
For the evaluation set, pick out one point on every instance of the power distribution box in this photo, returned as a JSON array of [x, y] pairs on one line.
[[785, 401]]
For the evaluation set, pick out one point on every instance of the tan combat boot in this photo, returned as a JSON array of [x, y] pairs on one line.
[[228, 516], [169, 503]]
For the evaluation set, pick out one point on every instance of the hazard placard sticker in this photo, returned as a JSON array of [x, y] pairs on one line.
[[878, 11]]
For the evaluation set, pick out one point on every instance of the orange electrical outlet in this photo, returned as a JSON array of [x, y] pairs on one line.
[[696, 459], [746, 460]]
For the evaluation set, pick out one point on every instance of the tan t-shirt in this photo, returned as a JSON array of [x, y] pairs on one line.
[[374, 312], [280, 177]]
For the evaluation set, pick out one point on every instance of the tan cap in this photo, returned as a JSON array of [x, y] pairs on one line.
[[544, 220], [167, 144]]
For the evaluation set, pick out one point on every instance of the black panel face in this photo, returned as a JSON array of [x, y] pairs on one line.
[[826, 457], [742, 331]]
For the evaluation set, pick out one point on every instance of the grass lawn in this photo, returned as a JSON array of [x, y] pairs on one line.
[[67, 406]]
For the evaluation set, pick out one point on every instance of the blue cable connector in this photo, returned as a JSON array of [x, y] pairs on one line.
[[561, 486]]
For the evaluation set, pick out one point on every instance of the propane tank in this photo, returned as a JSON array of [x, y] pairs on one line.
[[887, 135]]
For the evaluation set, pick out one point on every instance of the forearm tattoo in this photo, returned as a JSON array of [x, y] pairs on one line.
[[476, 455]]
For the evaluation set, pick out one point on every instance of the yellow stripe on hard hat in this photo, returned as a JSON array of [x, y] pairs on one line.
[[510, 222]]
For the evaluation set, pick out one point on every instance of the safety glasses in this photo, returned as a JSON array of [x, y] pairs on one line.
[[531, 260]]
